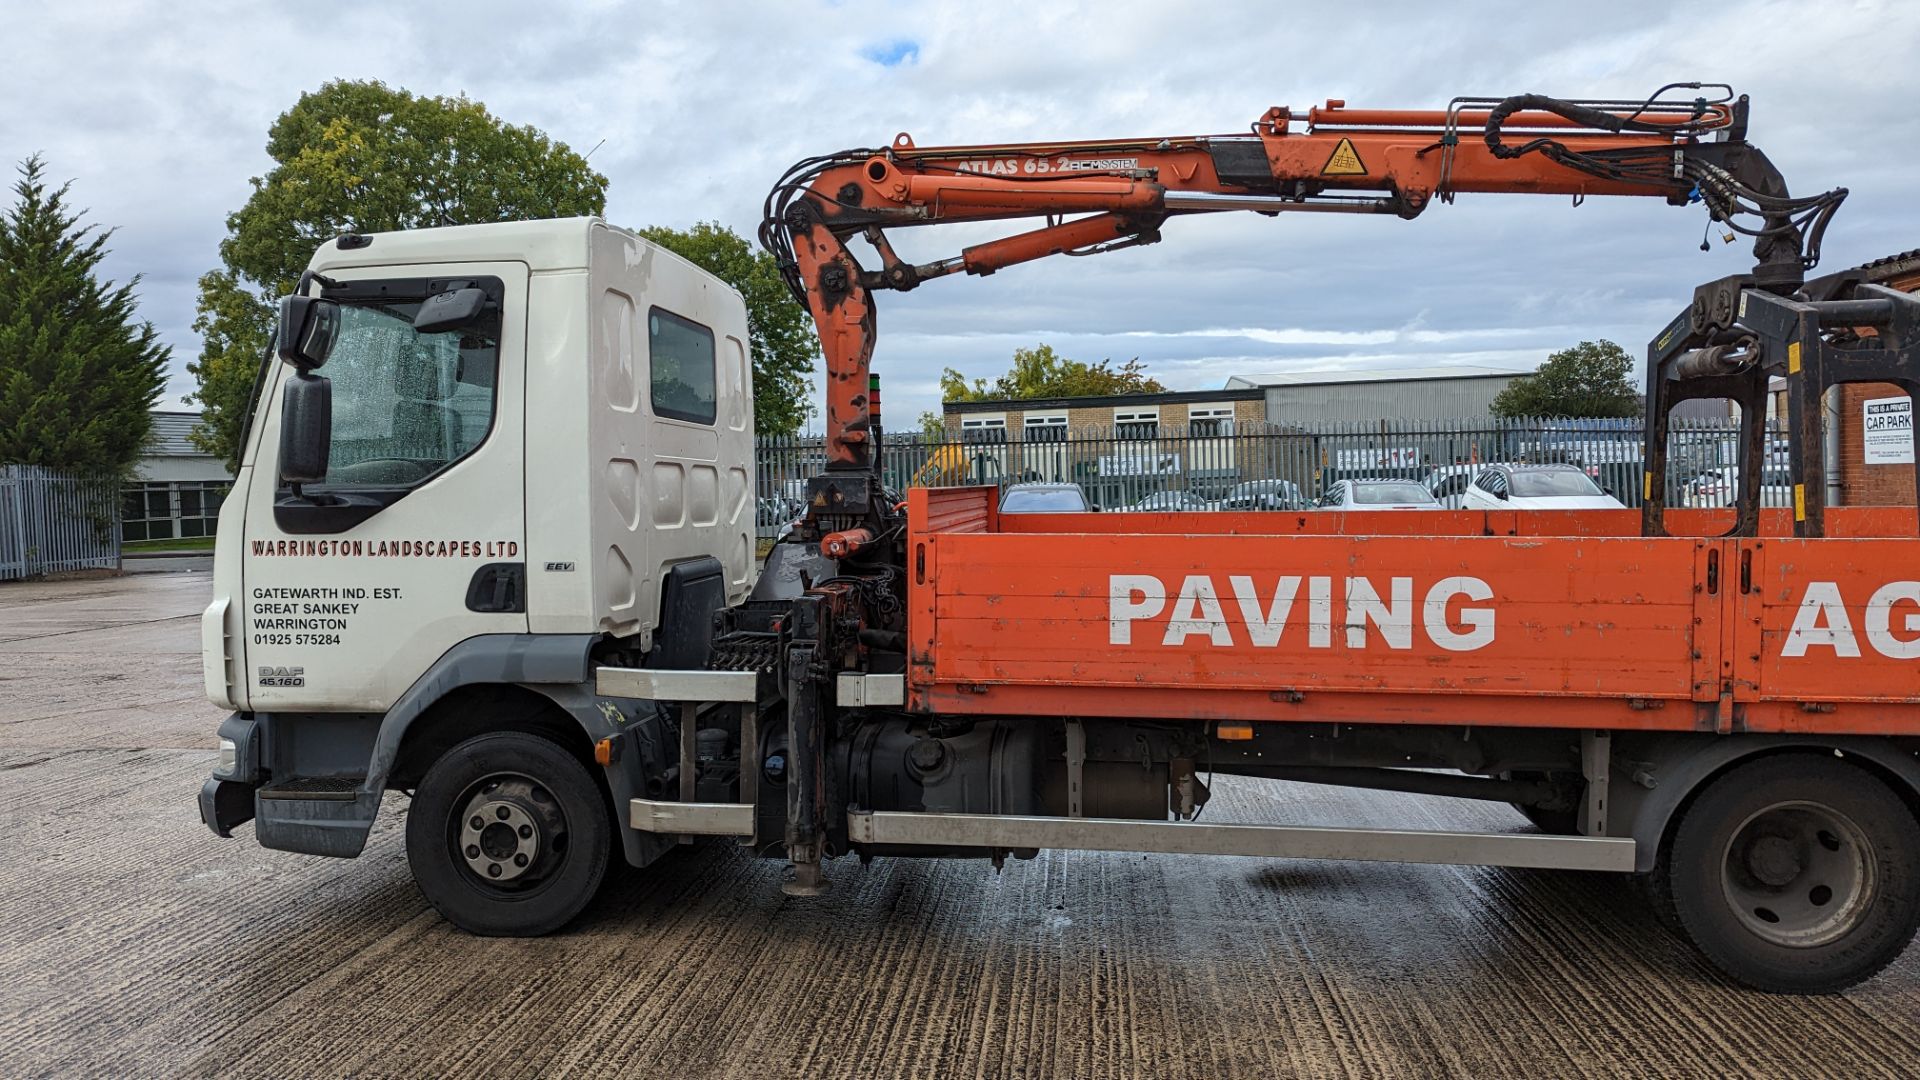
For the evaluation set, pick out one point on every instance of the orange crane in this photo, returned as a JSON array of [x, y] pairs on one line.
[[1332, 159]]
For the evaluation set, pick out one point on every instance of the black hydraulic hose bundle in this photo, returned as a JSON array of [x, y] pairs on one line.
[[1803, 221]]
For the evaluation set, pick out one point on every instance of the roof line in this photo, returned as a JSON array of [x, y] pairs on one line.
[[1169, 397]]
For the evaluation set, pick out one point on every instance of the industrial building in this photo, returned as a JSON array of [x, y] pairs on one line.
[[1279, 398], [177, 487], [1459, 392]]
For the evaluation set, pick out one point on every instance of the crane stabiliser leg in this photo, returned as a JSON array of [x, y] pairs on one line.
[[806, 768]]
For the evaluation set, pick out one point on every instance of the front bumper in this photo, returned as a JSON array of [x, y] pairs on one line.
[[226, 799], [317, 815], [224, 804]]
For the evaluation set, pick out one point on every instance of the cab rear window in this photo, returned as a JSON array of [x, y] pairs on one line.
[[680, 358]]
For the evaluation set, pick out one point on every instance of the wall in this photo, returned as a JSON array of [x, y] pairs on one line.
[[1863, 484], [1413, 399], [181, 467]]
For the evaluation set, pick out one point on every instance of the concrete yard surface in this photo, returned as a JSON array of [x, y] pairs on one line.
[[138, 944]]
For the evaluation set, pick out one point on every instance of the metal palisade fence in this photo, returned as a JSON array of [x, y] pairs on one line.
[[1224, 465], [51, 522]]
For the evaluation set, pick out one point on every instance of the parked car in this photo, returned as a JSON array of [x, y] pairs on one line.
[[1263, 495], [1162, 501], [1536, 487], [1368, 493], [1717, 487], [772, 511], [1448, 484], [1044, 499]]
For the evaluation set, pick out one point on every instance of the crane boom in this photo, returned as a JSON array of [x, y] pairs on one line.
[[1332, 159]]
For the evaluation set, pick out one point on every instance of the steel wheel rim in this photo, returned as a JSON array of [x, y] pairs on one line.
[[509, 834], [1799, 874]]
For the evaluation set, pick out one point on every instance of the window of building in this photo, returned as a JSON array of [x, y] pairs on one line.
[[1210, 421], [983, 429], [1045, 428], [1136, 423], [166, 511], [680, 358]]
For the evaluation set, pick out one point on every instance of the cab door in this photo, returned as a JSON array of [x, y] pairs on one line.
[[353, 587]]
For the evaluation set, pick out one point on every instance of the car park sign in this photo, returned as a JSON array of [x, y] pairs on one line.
[[1887, 435]]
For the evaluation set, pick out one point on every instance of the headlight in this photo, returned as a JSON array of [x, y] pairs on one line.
[[229, 758]]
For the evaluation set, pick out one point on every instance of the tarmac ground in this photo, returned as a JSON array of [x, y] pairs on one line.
[[136, 943]]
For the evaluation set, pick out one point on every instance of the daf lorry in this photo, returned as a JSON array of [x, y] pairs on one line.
[[490, 550]]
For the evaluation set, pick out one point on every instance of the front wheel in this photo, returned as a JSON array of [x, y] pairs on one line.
[[508, 835], [1797, 874]]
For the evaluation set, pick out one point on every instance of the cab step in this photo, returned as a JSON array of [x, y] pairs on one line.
[[315, 788]]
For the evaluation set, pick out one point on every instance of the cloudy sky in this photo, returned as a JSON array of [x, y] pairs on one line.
[[159, 114]]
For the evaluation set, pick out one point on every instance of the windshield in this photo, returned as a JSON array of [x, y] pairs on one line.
[[405, 404], [1382, 494], [1165, 500], [1043, 500], [1276, 488], [1554, 483]]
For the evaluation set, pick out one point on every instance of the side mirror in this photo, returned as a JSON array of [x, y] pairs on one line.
[[449, 310], [1501, 495], [309, 325], [306, 428]]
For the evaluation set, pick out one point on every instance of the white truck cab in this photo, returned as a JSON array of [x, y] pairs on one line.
[[519, 442]]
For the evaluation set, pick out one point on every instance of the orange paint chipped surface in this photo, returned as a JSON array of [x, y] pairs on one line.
[[1565, 619]]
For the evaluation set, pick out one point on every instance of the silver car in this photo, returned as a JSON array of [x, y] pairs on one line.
[[1044, 499], [1263, 495], [1366, 494]]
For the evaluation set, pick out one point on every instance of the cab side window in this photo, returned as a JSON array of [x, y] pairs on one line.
[[407, 405], [680, 358]]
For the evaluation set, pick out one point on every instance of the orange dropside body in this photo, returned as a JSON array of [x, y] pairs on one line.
[[1550, 619]]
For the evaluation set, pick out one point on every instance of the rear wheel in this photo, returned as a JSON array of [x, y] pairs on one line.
[[1797, 874], [508, 835]]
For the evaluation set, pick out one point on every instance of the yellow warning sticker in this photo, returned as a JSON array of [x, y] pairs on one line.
[[1793, 358], [1799, 502], [1345, 161], [1646, 486]]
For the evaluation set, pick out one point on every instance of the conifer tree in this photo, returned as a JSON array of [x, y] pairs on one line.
[[77, 372]]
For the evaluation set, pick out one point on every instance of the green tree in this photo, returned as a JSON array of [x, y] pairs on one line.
[[784, 344], [77, 373], [362, 157], [1040, 372], [1590, 379]]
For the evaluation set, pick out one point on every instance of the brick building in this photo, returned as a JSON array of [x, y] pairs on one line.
[[1862, 483], [1196, 412], [1116, 447], [1286, 398]]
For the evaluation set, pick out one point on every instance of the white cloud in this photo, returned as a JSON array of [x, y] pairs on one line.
[[160, 113]]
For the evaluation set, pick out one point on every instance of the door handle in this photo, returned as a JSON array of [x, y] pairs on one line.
[[498, 587]]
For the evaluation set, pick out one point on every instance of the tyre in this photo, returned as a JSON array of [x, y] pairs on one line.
[[508, 835], [1797, 874], [1656, 888]]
